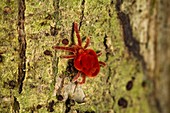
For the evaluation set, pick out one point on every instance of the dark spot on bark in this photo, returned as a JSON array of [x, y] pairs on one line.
[[50, 106], [53, 30], [1, 58], [59, 97], [133, 78], [122, 102], [133, 2], [11, 84], [40, 78], [43, 23], [32, 86], [39, 106], [129, 85], [65, 41], [48, 53], [143, 84], [112, 2], [47, 34], [48, 17], [140, 10], [69, 102]]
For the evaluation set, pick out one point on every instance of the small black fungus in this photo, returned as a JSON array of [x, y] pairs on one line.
[[140, 10], [48, 17], [144, 84], [129, 85], [48, 53], [59, 97], [47, 34], [133, 78], [43, 23], [1, 58], [65, 41], [122, 102], [12, 84], [50, 106], [32, 86], [39, 106]]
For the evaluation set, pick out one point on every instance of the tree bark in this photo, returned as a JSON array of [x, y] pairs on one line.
[[133, 37]]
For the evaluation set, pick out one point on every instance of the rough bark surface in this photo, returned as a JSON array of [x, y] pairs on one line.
[[133, 36]]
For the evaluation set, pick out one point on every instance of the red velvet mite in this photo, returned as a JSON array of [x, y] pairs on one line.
[[85, 60]]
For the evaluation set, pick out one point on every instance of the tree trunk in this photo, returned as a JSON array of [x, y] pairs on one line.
[[132, 35]]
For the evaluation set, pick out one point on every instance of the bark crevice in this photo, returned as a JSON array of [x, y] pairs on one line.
[[22, 44]]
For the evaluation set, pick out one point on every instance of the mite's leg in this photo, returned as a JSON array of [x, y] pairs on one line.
[[68, 56], [102, 63], [76, 77], [87, 42], [98, 54], [70, 49], [83, 79], [77, 33]]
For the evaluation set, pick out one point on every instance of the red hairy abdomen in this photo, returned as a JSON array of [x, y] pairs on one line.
[[87, 63]]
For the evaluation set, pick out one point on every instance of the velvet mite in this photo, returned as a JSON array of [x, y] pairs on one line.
[[85, 60]]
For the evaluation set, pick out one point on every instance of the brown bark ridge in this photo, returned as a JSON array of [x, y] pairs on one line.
[[150, 24], [162, 64], [22, 44]]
